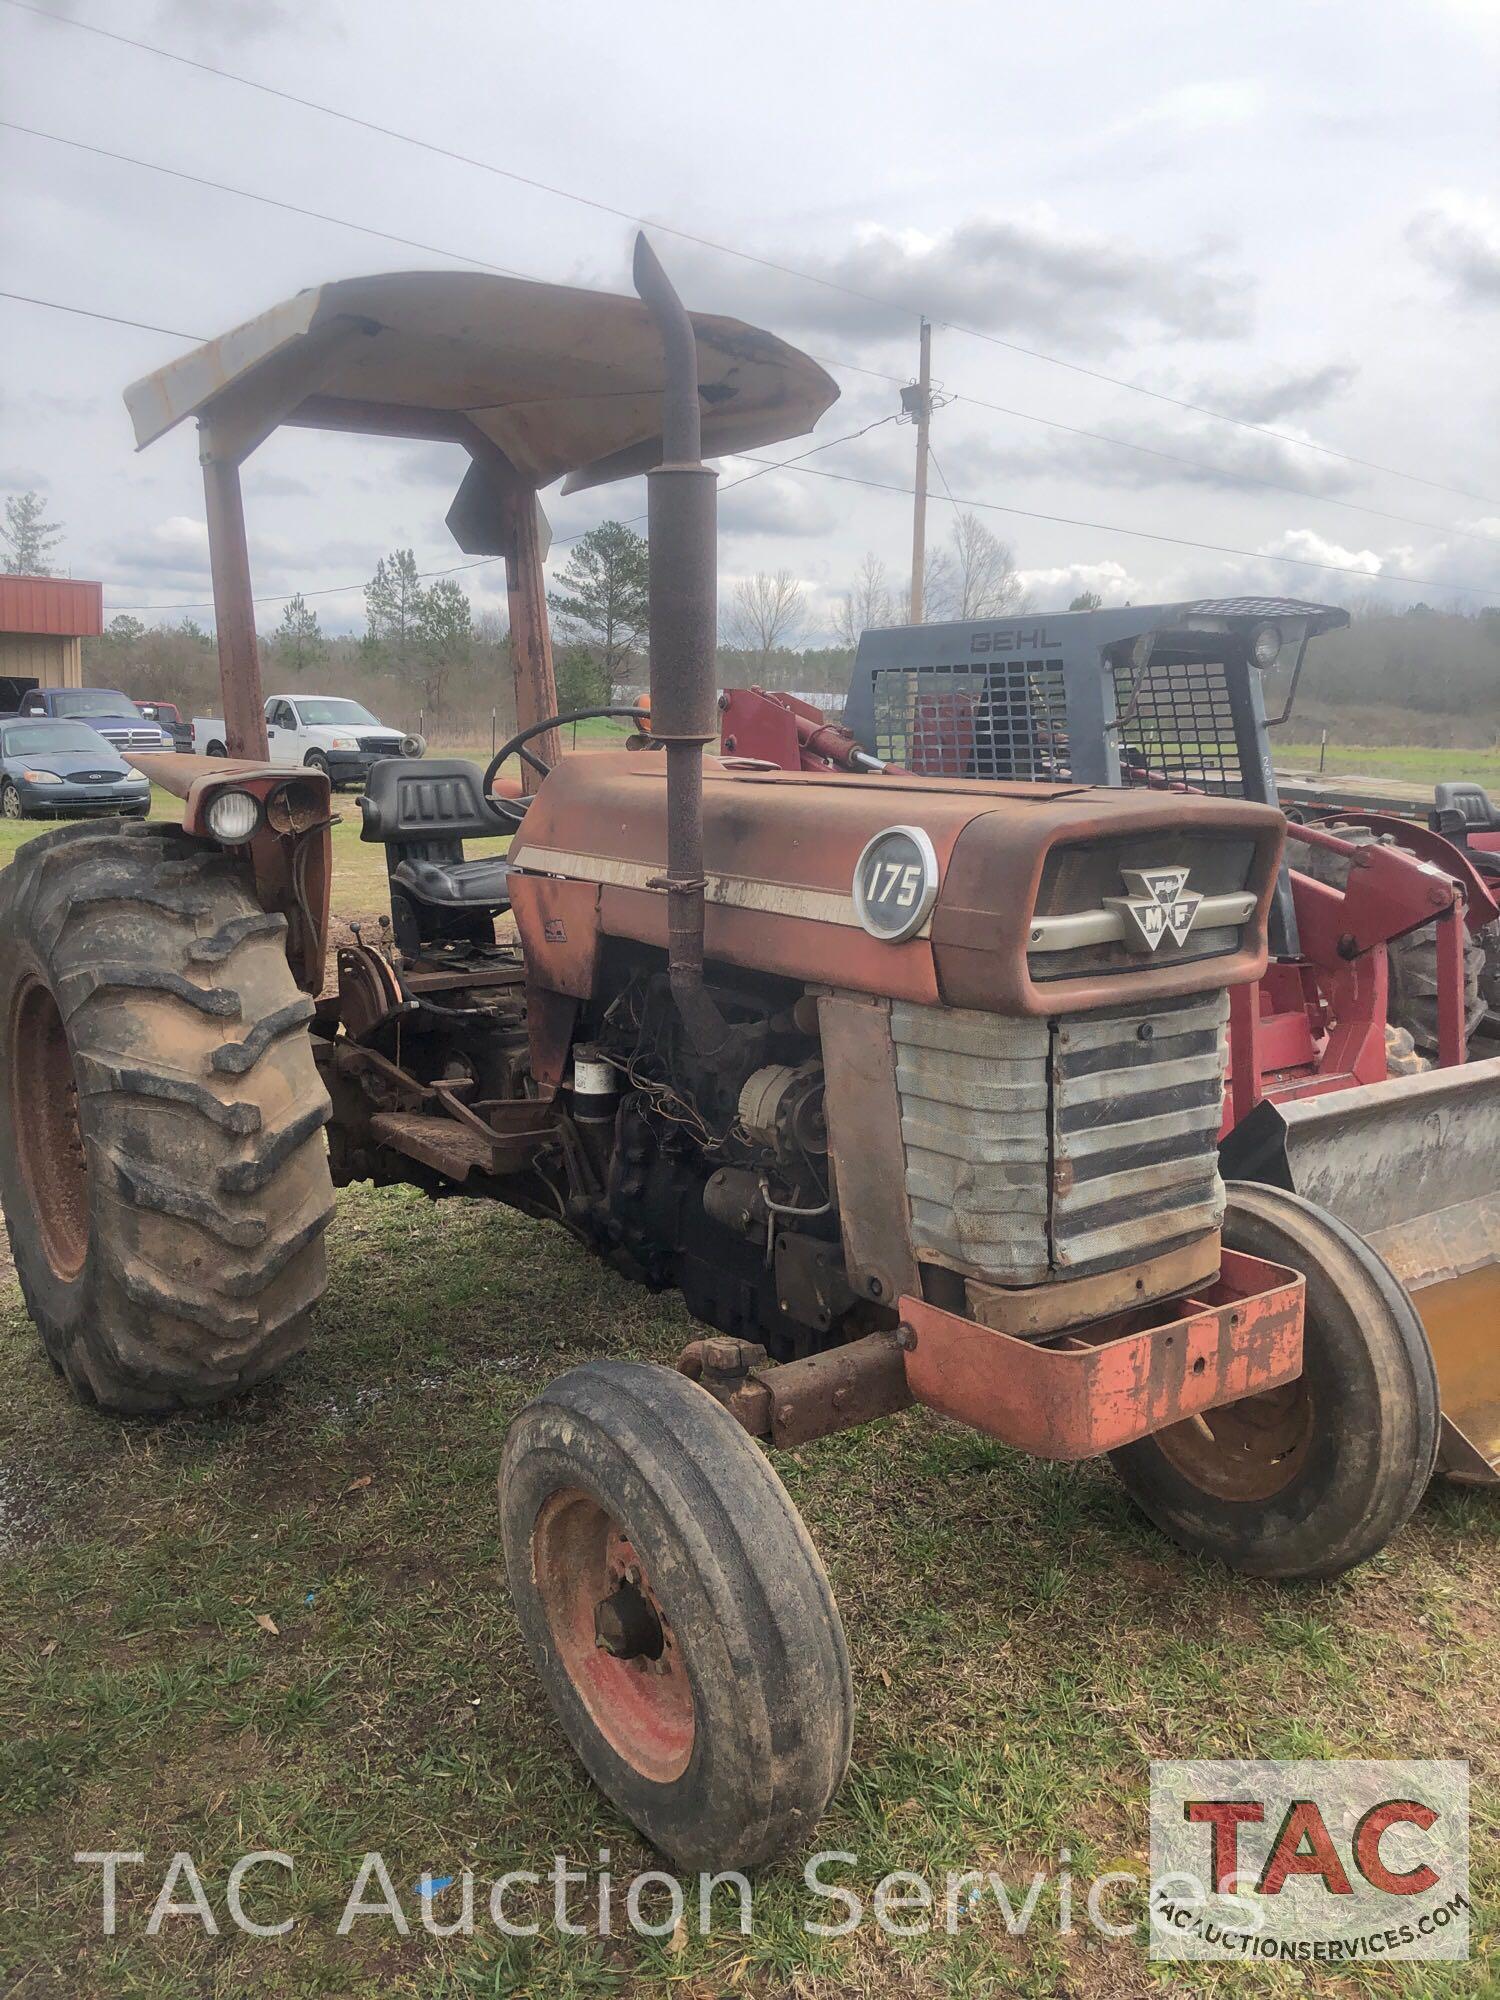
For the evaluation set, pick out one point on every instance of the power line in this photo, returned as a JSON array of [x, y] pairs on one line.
[[114, 319], [816, 472], [791, 465], [265, 200], [1149, 534], [1202, 466], [484, 562], [730, 250]]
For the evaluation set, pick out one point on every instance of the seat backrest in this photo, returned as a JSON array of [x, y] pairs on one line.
[[409, 799], [1472, 800]]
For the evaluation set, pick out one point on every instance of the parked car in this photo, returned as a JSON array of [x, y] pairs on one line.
[[170, 717], [112, 715], [325, 731], [54, 769]]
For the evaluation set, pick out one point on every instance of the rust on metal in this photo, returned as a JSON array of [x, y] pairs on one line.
[[456, 1147], [799, 1401], [291, 853], [559, 926], [1412, 1163], [863, 1113], [1031, 1310], [779, 882], [234, 608], [1095, 1392]]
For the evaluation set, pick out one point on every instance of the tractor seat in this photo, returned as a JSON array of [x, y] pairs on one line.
[[422, 812], [483, 884], [1472, 802]]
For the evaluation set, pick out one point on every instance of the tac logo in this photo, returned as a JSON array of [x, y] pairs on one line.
[[1160, 904], [1310, 1863]]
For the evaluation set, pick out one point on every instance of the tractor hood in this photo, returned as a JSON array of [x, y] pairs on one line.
[[1034, 882]]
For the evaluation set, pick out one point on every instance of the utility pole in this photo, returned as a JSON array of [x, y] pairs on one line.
[[917, 402]]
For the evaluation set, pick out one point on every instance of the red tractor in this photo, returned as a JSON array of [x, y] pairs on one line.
[[895, 1078], [1384, 931]]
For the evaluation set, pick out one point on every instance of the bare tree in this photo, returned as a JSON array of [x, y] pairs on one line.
[[983, 582], [937, 587], [766, 612], [867, 603]]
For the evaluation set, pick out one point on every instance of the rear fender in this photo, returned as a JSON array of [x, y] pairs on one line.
[[290, 852], [1434, 848]]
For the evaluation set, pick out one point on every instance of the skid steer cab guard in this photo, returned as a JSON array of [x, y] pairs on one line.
[[909, 1084]]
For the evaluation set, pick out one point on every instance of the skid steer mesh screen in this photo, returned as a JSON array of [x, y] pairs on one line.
[[1006, 719], [1177, 727]]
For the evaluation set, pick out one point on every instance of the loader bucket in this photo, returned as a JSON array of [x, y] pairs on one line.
[[1414, 1165]]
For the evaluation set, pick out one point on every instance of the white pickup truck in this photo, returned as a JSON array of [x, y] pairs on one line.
[[326, 731]]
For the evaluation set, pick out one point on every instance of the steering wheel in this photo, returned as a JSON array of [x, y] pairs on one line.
[[515, 746]]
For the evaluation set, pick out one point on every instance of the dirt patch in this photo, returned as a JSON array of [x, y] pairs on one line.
[[25, 1515]]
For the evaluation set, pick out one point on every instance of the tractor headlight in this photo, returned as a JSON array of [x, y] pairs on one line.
[[1265, 645], [41, 777], [233, 816]]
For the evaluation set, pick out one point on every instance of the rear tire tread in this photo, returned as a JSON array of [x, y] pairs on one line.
[[208, 1193]]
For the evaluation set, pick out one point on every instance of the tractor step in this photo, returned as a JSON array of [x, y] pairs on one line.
[[457, 1149]]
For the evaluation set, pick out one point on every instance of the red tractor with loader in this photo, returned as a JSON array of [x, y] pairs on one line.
[[910, 1085]]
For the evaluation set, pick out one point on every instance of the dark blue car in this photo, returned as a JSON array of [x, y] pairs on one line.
[[56, 768]]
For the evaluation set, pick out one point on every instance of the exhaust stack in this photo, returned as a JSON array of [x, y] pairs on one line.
[[682, 524]]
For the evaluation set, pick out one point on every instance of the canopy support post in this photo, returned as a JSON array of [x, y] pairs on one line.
[[234, 604], [530, 629]]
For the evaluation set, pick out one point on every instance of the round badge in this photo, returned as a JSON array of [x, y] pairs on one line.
[[896, 883]]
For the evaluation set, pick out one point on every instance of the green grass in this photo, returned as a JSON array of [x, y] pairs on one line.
[[1411, 763], [1023, 1646]]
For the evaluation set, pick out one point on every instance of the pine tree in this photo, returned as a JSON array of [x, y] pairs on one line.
[[299, 637], [601, 597], [28, 539]]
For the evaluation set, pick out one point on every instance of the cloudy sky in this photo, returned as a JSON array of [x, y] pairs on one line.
[[1289, 215]]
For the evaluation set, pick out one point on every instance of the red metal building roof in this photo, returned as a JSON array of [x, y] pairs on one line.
[[61, 606]]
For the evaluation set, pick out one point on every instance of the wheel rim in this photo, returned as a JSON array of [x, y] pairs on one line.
[[1249, 1450], [44, 1118], [12, 802], [613, 1638]]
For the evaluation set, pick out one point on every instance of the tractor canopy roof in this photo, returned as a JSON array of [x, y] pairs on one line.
[[560, 382]]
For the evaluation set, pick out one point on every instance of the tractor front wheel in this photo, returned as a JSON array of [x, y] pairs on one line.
[[677, 1613], [162, 1163], [1310, 1479]]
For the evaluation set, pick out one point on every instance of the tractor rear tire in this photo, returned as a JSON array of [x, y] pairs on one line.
[[162, 1161], [1413, 990], [1307, 1480], [677, 1613], [1412, 961]]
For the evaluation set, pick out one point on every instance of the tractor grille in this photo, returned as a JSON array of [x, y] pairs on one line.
[[1038, 1150], [1177, 727], [1006, 719]]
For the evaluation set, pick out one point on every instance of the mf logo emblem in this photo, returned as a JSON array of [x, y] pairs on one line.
[[1160, 904]]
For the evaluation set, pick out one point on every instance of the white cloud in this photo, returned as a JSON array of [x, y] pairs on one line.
[[1458, 238], [1054, 589], [1031, 274]]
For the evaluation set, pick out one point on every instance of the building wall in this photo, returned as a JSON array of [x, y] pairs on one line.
[[64, 606], [54, 660]]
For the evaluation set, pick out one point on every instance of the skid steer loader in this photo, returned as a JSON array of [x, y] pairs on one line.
[[911, 1085]]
